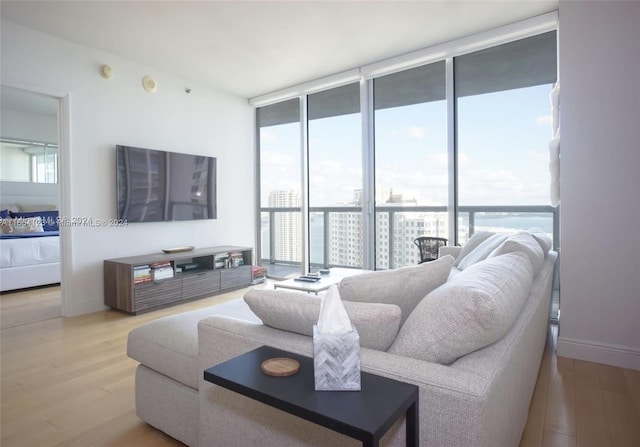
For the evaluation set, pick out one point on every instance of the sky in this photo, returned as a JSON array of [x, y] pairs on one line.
[[502, 152]]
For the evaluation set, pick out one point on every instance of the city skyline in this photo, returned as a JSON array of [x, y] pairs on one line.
[[394, 231]]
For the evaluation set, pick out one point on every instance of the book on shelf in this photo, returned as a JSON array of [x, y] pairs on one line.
[[162, 270], [160, 264], [144, 279], [141, 273], [162, 273]]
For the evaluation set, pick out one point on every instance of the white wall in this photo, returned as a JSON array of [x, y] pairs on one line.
[[103, 113], [600, 182]]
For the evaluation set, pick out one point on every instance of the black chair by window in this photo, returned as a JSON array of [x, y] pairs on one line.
[[429, 247]]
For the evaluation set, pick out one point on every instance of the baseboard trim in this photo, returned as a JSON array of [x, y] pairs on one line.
[[620, 356], [85, 307]]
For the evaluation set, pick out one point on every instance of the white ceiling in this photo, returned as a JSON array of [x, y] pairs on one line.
[[249, 48]]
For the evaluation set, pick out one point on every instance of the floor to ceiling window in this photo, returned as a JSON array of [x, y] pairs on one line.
[[411, 166], [280, 185], [503, 129], [335, 177], [443, 149]]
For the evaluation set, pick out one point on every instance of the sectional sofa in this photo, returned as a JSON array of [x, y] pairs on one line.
[[469, 329]]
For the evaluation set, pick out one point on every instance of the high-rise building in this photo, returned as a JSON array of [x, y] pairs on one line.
[[287, 225], [395, 232]]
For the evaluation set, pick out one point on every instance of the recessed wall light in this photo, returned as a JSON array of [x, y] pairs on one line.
[[106, 72], [149, 84]]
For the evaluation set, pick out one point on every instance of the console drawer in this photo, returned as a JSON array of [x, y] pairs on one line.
[[152, 294], [200, 284]]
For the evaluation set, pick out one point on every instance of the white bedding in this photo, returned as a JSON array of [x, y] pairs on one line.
[[29, 251]]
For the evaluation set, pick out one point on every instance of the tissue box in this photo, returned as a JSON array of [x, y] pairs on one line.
[[336, 361]]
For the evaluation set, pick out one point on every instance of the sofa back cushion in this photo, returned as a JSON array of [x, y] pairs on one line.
[[545, 241], [525, 243], [404, 287], [482, 250], [476, 239], [472, 310], [377, 324]]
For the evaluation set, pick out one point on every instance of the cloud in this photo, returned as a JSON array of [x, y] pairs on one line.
[[332, 182], [414, 132], [544, 120], [419, 133], [267, 135], [425, 181], [538, 156], [499, 187], [276, 160]]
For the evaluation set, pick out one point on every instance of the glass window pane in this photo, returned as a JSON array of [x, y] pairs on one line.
[[503, 132], [335, 177], [411, 162], [280, 187]]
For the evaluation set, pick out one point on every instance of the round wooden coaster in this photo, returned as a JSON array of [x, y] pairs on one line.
[[280, 367]]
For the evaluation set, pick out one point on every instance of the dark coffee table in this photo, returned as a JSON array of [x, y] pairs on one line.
[[365, 415]]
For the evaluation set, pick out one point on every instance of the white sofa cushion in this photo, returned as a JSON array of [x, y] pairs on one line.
[[481, 251], [471, 311], [543, 239], [525, 243], [475, 240], [377, 324], [404, 287]]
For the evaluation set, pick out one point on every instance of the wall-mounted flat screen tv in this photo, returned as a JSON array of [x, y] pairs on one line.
[[156, 186]]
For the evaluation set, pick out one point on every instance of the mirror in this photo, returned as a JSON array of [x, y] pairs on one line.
[[28, 137]]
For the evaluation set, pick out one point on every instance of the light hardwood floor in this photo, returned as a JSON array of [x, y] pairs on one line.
[[69, 382]]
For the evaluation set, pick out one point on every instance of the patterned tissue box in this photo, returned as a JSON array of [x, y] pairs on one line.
[[336, 361]]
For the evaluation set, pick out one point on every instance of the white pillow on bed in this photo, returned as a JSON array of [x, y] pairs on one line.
[[22, 225]]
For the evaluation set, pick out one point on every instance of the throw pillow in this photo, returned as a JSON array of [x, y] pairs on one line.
[[482, 250], [377, 324], [475, 240], [472, 310], [525, 243], [49, 218], [404, 287], [22, 225]]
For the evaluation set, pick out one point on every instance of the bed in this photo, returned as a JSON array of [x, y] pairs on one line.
[[29, 252]]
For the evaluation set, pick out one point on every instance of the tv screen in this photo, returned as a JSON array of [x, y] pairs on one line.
[[155, 186]]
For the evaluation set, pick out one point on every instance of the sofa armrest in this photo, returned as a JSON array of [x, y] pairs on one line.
[[449, 250], [451, 400]]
